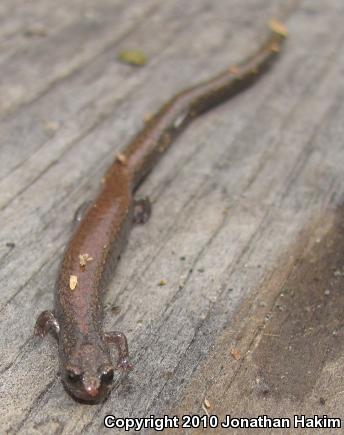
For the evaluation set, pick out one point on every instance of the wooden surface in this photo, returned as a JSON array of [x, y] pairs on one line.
[[246, 207]]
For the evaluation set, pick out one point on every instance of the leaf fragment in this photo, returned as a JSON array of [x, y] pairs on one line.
[[133, 57]]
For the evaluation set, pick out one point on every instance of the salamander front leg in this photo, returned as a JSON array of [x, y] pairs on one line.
[[142, 210], [120, 340], [46, 322]]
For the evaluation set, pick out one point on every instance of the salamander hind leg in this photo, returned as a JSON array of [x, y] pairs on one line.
[[120, 341], [46, 322], [142, 210]]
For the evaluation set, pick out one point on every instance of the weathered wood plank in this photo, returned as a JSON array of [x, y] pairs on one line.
[[87, 98], [29, 72], [250, 176], [21, 20]]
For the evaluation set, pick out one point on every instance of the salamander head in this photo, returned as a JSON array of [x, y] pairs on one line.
[[88, 375]]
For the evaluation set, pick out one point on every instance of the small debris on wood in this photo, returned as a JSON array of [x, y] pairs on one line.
[[235, 353], [262, 388], [84, 259], [206, 406], [206, 403], [133, 57], [168, 374], [115, 309], [73, 281], [181, 284], [37, 30], [91, 15], [205, 410], [51, 127], [338, 273], [322, 401]]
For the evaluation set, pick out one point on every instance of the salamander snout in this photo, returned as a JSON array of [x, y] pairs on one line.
[[88, 373], [88, 385], [97, 385]]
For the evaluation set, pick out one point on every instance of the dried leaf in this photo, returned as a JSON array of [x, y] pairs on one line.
[[133, 57], [205, 409], [206, 403], [235, 354]]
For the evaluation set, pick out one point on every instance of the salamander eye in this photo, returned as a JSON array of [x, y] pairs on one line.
[[107, 376], [73, 375]]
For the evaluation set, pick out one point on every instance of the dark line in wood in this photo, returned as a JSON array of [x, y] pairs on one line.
[[34, 405], [213, 306], [74, 71], [307, 151], [32, 277], [16, 358], [101, 118], [83, 135], [150, 408]]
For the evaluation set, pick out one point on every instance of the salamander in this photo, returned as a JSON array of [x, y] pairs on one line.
[[95, 247]]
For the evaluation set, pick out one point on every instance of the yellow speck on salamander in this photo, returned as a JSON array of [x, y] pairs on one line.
[[233, 69], [84, 259], [73, 281], [121, 158], [275, 47], [277, 27], [148, 117]]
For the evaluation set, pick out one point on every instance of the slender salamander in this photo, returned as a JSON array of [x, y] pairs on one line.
[[86, 367]]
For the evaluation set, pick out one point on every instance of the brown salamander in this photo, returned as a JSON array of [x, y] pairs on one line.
[[94, 249]]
